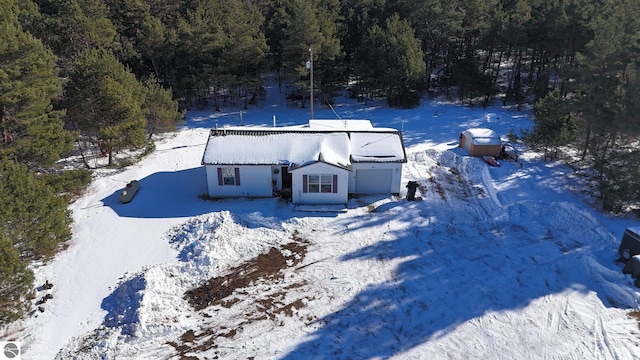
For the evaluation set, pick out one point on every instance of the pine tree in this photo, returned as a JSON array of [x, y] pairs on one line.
[[161, 109], [301, 33], [553, 125], [72, 27], [31, 131], [307, 26], [606, 85], [399, 69], [104, 102], [244, 48], [15, 282], [330, 68], [147, 33], [469, 80], [198, 48], [32, 216]]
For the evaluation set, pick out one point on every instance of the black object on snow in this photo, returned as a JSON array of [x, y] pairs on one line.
[[630, 244], [632, 267], [411, 192]]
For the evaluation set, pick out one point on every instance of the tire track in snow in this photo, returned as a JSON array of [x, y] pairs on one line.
[[454, 184]]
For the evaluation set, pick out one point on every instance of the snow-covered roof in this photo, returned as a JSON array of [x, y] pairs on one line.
[[273, 146], [260, 147], [483, 136], [376, 146]]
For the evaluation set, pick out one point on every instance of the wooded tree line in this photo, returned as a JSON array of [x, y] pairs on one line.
[[62, 88], [103, 76]]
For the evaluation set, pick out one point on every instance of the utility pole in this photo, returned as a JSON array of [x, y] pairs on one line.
[[311, 81]]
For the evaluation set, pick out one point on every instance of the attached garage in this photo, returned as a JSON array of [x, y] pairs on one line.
[[373, 181]]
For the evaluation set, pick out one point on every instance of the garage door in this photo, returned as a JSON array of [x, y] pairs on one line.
[[373, 181]]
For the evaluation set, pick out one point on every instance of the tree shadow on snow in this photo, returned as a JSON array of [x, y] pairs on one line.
[[456, 270], [164, 194]]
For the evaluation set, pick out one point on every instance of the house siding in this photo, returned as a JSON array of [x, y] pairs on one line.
[[340, 185], [256, 181]]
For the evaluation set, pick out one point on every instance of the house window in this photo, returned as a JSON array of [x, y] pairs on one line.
[[228, 176], [320, 183]]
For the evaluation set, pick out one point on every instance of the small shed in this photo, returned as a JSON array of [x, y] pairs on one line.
[[480, 142]]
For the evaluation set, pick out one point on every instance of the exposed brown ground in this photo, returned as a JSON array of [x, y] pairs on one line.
[[267, 268]]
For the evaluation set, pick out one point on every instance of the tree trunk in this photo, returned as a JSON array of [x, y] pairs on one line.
[[254, 95], [246, 98], [586, 143], [110, 156], [155, 69], [82, 155], [509, 80], [542, 66], [487, 59], [532, 67], [6, 133], [496, 73], [215, 98]]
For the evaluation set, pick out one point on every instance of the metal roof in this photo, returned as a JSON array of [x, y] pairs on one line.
[[273, 146]]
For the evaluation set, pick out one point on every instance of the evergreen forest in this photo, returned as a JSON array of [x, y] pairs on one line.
[[102, 78]]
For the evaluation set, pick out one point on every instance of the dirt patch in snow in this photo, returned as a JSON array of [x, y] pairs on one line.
[[635, 315], [233, 288], [264, 267]]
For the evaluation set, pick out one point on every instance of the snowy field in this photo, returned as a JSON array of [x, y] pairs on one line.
[[494, 263]]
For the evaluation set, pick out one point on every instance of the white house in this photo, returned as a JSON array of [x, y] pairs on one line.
[[319, 164]]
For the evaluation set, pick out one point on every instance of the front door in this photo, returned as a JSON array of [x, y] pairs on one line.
[[286, 178]]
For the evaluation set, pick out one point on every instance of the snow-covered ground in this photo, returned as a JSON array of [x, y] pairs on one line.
[[493, 263]]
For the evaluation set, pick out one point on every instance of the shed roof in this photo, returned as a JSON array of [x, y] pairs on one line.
[[483, 136]]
